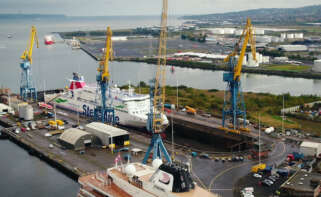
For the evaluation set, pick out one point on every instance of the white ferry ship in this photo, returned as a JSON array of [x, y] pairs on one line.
[[131, 109]]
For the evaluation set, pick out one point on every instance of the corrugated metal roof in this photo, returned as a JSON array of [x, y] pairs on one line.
[[72, 135], [310, 144], [104, 128]]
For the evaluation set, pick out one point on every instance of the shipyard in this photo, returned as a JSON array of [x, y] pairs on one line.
[[205, 103]]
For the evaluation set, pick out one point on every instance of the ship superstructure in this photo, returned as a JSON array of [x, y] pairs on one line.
[[137, 180]]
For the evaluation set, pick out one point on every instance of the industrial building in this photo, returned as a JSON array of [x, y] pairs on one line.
[[108, 134], [236, 32], [310, 148], [77, 139], [4, 109], [201, 55], [301, 184], [290, 36], [292, 48], [317, 66]]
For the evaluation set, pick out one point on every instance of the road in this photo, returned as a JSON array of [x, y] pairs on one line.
[[221, 177]]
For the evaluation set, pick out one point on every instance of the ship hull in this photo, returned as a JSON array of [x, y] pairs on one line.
[[87, 109], [49, 42]]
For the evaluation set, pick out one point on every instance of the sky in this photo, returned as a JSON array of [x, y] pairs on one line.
[[141, 7]]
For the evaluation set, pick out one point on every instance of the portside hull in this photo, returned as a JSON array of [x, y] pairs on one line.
[[122, 117]]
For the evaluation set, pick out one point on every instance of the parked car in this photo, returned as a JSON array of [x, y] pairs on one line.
[[204, 156], [272, 178], [266, 183], [257, 175], [194, 154], [125, 149], [270, 181]]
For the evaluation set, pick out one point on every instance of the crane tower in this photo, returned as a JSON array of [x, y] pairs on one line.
[[103, 112], [157, 96], [234, 106], [27, 88]]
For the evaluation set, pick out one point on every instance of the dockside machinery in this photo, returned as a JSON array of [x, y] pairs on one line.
[[157, 97], [27, 88], [102, 111], [234, 107]]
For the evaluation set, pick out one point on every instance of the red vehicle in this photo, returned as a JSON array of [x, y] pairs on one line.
[[45, 105], [257, 154]]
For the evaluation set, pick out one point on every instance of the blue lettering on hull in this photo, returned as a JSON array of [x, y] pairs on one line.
[[90, 113]]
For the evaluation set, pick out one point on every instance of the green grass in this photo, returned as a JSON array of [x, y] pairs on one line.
[[279, 118], [288, 67]]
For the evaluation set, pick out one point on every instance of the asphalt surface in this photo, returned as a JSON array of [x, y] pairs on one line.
[[221, 177]]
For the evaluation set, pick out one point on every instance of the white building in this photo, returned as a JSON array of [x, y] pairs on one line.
[[229, 30], [290, 36], [317, 65], [281, 59], [251, 62], [290, 48], [108, 134], [259, 31], [119, 38], [238, 32], [298, 35], [217, 30], [4, 109], [310, 148], [201, 55], [264, 39]]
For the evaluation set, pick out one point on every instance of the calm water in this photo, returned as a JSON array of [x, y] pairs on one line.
[[23, 175]]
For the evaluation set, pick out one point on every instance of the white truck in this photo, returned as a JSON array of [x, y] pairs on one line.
[[310, 148]]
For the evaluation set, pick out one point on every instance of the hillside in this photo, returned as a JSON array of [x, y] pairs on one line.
[[308, 14]]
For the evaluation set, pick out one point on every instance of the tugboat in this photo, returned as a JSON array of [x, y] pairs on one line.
[[139, 180]]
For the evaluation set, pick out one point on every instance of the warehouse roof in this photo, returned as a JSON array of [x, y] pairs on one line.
[[201, 55], [293, 47], [72, 135], [104, 128], [310, 144]]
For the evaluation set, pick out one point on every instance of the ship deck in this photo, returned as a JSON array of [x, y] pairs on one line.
[[95, 186]]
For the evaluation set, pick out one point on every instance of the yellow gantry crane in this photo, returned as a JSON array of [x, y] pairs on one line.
[[108, 56], [159, 87], [156, 117], [103, 112], [235, 106], [248, 36], [27, 88]]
